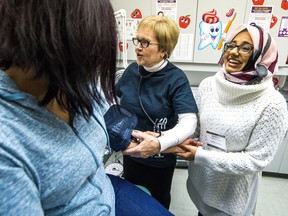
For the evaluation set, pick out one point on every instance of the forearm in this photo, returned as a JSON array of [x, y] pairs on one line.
[[185, 127]]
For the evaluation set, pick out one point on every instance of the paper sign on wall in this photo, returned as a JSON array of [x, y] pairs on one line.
[[167, 8], [261, 15], [283, 31]]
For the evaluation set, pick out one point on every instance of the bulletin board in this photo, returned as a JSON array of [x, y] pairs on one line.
[[204, 25]]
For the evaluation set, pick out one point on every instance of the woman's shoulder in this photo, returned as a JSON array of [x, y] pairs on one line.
[[275, 98], [133, 65], [172, 67], [132, 68], [127, 73], [174, 73], [275, 107]]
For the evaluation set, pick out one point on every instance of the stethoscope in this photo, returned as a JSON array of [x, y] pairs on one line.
[[141, 77], [155, 127]]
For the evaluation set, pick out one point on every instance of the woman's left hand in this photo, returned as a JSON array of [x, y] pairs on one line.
[[189, 146], [148, 145]]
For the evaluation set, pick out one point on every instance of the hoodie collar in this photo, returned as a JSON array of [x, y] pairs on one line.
[[10, 92]]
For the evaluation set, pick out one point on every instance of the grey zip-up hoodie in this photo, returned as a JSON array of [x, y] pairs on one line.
[[45, 166]]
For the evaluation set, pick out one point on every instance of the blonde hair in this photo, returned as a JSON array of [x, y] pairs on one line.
[[165, 29]]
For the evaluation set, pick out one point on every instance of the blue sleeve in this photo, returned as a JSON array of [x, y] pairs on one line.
[[182, 95], [18, 193]]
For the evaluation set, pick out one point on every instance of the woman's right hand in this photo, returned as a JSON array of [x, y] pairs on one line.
[[147, 145]]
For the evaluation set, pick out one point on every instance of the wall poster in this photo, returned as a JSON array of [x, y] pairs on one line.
[[261, 15]]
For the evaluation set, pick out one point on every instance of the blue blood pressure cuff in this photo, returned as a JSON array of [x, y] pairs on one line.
[[120, 122]]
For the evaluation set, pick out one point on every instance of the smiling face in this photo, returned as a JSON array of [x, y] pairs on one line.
[[149, 56], [233, 60]]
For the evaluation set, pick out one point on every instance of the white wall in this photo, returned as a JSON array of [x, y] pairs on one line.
[[203, 62]]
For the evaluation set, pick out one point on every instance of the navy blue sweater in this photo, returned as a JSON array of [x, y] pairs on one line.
[[164, 95]]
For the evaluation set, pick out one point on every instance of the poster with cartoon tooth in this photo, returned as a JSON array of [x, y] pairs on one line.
[[210, 30], [215, 19]]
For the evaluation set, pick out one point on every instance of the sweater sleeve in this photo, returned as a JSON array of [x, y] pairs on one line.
[[185, 127], [267, 135], [18, 193]]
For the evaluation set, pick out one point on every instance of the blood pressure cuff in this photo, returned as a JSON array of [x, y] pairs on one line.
[[120, 122]]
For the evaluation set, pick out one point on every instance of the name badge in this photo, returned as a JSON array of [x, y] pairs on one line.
[[216, 141]]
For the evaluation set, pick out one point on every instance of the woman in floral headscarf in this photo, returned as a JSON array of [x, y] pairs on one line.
[[243, 119]]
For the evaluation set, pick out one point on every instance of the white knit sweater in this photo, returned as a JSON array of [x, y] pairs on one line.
[[253, 119]]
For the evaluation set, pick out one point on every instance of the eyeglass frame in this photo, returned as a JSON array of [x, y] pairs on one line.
[[134, 39], [239, 48]]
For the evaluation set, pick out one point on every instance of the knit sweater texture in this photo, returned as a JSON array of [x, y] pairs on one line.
[[46, 167], [253, 119]]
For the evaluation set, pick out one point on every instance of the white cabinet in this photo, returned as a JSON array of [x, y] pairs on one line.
[[284, 163], [280, 162]]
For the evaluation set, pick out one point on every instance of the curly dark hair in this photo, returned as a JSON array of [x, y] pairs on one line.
[[72, 42]]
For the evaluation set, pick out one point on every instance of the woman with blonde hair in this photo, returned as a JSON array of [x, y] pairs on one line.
[[160, 95]]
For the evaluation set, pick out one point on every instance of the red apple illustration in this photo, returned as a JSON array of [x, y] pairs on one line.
[[284, 4], [184, 21], [136, 14], [274, 20], [120, 45], [258, 2]]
